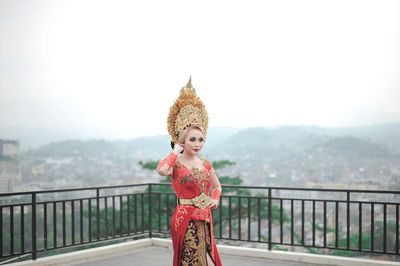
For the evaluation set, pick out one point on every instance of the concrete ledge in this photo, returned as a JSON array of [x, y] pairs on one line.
[[113, 250], [285, 255], [299, 257], [161, 242], [99, 252]]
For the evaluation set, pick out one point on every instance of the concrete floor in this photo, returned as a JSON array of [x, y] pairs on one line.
[[160, 256]]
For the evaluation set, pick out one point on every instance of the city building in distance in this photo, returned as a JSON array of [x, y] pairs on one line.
[[10, 175]]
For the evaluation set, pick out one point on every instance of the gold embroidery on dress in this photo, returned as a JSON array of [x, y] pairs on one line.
[[194, 245], [201, 178], [180, 214]]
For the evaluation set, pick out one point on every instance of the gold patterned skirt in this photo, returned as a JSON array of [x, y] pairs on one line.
[[196, 243]]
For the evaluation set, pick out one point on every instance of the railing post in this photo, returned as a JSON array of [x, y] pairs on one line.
[[34, 226], [1, 231], [150, 211], [397, 229], [98, 213], [269, 219], [348, 219]]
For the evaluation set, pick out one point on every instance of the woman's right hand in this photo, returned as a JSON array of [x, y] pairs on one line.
[[178, 149]]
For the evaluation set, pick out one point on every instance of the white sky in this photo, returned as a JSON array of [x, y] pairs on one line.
[[117, 66]]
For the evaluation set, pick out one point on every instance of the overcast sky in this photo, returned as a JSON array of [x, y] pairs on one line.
[[116, 67]]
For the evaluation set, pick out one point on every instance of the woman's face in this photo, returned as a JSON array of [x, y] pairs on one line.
[[194, 141]]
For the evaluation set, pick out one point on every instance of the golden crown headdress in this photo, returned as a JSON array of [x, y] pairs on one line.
[[188, 110]]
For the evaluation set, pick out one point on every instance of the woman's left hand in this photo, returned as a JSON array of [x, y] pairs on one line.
[[214, 204]]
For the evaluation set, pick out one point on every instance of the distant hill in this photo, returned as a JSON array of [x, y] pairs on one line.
[[148, 147], [268, 143], [387, 135], [280, 156], [277, 143], [354, 147], [256, 144]]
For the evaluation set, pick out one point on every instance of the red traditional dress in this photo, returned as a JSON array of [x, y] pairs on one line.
[[191, 227]]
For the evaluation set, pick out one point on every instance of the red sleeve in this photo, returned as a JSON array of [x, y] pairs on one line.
[[169, 160], [216, 186]]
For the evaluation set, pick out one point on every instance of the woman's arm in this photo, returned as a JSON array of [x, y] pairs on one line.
[[165, 167], [216, 189]]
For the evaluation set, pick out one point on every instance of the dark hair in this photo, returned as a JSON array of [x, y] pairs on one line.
[[173, 144]]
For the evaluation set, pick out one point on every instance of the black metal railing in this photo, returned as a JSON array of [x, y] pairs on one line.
[[332, 219]]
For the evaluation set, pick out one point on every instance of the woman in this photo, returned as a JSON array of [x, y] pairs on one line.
[[192, 180]]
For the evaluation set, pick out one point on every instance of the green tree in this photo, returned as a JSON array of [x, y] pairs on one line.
[[152, 165]]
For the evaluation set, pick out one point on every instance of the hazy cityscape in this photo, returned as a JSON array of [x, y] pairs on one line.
[[284, 156]]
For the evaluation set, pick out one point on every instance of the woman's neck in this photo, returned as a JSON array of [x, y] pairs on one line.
[[188, 157]]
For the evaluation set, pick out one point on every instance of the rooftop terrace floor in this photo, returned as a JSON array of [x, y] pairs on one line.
[[158, 252], [161, 256]]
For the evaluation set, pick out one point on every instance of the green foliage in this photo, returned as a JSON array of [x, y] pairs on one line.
[[139, 215], [226, 180], [366, 240], [152, 165], [221, 164], [321, 228], [166, 179], [276, 247]]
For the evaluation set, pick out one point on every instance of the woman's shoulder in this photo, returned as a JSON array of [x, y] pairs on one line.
[[206, 162]]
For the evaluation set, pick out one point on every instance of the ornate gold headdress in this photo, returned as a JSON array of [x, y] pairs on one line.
[[188, 110]]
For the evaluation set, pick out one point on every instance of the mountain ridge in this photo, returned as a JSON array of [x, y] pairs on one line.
[[230, 143]]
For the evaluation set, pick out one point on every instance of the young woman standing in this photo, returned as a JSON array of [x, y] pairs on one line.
[[193, 180]]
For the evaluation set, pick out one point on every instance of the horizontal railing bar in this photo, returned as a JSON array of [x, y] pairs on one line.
[[297, 199], [78, 199], [69, 189], [317, 189], [74, 199], [159, 192], [66, 200], [232, 196], [91, 198], [340, 201], [244, 197], [16, 205], [125, 195], [226, 186]]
